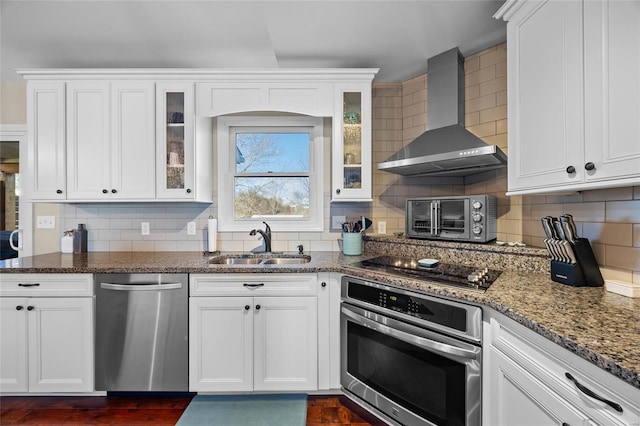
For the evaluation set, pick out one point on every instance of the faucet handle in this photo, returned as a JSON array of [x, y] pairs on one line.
[[267, 228], [300, 249]]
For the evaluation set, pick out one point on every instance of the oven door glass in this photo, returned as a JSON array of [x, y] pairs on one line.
[[429, 385], [453, 218]]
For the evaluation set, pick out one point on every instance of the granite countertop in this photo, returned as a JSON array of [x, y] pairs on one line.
[[601, 327]]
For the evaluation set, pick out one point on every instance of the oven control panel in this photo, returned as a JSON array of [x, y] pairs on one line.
[[420, 307]]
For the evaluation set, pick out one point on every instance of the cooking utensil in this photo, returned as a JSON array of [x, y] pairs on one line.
[[569, 227], [552, 241], [564, 243]]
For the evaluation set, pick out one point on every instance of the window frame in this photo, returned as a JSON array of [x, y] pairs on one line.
[[226, 173]]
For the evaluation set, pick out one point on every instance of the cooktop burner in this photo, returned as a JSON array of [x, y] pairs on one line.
[[446, 273]]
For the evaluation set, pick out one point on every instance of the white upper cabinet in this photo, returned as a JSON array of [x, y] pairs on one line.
[[110, 141], [351, 148], [46, 141], [573, 95], [612, 91], [175, 140], [99, 135]]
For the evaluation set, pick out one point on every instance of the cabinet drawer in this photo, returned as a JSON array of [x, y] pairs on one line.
[[253, 284], [549, 363], [55, 285]]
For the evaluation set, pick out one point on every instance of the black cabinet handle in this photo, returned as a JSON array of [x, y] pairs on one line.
[[253, 285], [592, 394], [188, 191], [29, 285], [337, 191], [565, 424], [59, 191], [571, 169], [323, 284], [257, 307], [104, 191], [113, 191], [30, 308], [590, 166], [19, 308], [247, 307]]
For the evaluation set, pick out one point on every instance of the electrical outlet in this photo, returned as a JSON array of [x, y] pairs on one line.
[[382, 227], [191, 228], [46, 222], [337, 221], [145, 229]]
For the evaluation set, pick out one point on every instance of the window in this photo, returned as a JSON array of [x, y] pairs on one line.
[[270, 169]]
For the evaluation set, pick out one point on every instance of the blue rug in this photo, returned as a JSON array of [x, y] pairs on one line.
[[245, 410]]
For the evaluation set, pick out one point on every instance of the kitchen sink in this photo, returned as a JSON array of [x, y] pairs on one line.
[[286, 260], [260, 259]]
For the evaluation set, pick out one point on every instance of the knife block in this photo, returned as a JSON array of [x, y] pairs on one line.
[[584, 273]]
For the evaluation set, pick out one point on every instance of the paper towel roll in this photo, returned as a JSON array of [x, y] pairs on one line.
[[212, 234]]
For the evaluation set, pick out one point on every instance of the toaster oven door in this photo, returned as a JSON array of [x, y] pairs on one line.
[[439, 219]]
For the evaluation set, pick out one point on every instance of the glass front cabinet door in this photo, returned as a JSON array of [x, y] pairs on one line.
[[175, 138], [351, 162]]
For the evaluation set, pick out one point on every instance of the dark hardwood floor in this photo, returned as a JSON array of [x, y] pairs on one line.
[[153, 410]]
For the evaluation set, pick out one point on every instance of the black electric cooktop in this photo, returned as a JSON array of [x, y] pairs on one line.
[[445, 273]]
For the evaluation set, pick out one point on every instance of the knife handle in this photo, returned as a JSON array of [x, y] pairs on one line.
[[572, 225], [558, 228], [566, 228], [548, 227]]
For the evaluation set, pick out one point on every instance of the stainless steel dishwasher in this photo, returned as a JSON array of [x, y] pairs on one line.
[[141, 332]]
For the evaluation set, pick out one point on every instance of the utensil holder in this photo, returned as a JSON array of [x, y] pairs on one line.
[[584, 273], [352, 243]]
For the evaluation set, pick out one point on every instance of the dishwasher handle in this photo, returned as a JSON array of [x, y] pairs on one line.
[[140, 286]]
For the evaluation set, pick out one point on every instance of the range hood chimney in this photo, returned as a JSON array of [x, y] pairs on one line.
[[447, 149]]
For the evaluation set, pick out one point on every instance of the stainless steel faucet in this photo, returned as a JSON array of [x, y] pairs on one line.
[[266, 236]]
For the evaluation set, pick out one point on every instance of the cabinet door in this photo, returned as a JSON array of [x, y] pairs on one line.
[[132, 144], [612, 90], [175, 141], [13, 345], [351, 150], [220, 344], [545, 95], [88, 148], [46, 146], [518, 398], [285, 343], [60, 344]]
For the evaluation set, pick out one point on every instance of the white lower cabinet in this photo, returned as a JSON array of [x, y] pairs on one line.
[[46, 342], [256, 337], [525, 383]]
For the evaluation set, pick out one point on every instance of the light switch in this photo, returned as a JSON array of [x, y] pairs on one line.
[[46, 222]]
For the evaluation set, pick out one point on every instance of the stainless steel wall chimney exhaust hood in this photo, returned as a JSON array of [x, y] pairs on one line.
[[447, 149]]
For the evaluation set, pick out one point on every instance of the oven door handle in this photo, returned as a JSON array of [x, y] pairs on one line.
[[434, 346]]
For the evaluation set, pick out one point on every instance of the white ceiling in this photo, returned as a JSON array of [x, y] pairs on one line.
[[396, 36]]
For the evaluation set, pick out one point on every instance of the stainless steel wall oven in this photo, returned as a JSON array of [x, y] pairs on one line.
[[414, 359]]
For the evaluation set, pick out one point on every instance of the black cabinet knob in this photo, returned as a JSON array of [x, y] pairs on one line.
[[247, 307], [104, 191], [571, 169], [30, 308], [257, 307], [323, 284], [188, 191], [113, 191], [19, 307], [59, 191], [590, 166], [337, 191]]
